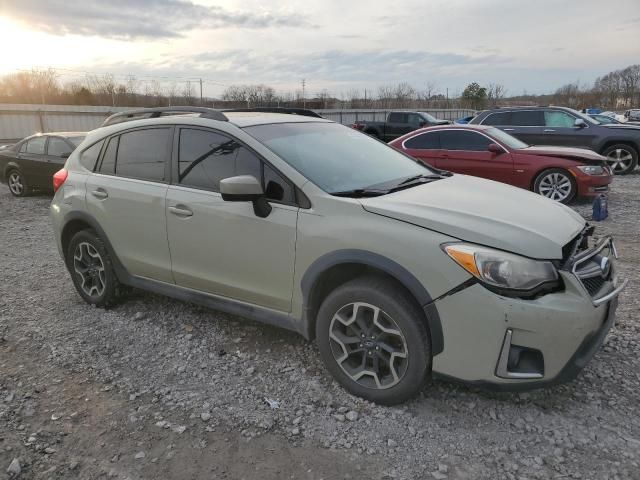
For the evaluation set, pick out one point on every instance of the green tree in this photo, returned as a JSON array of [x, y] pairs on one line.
[[475, 96]]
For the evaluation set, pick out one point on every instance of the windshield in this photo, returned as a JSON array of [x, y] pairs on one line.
[[586, 118], [508, 140], [75, 140], [428, 117], [334, 157]]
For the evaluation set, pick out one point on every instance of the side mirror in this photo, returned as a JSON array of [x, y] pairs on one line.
[[245, 188], [580, 123], [495, 148], [65, 155]]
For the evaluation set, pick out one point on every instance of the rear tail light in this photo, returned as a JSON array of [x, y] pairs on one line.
[[58, 179], [357, 126]]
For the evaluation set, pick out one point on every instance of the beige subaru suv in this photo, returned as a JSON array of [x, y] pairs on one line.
[[397, 270]]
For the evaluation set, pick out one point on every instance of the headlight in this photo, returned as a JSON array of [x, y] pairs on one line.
[[502, 271], [591, 169]]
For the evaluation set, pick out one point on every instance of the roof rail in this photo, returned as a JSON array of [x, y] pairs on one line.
[[140, 113], [291, 111]]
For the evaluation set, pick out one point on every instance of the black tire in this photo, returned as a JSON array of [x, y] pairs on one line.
[[87, 241], [551, 183], [622, 158], [394, 303], [17, 183]]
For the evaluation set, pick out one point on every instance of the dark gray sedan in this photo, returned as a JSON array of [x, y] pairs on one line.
[[30, 164]]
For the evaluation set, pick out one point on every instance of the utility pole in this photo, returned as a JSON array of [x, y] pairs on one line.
[[447, 98], [201, 92], [304, 101]]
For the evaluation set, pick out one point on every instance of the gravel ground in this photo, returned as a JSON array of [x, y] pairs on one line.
[[157, 388]]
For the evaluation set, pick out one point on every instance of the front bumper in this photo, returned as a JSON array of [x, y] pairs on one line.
[[593, 185], [563, 330]]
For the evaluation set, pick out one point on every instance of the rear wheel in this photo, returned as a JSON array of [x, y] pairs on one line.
[[621, 158], [373, 339], [92, 270], [17, 184], [556, 184]]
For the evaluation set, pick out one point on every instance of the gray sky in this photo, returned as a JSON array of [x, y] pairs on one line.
[[335, 44]]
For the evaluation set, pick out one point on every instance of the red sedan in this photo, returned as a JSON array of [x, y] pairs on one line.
[[559, 173]]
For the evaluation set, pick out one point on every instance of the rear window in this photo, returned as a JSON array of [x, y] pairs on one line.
[[142, 154], [425, 141], [499, 118], [89, 156], [527, 118]]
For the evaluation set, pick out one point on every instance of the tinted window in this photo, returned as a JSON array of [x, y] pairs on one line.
[[500, 118], [558, 119], [426, 141], [397, 117], [142, 154], [23, 147], [75, 140], [206, 157], [108, 165], [58, 147], [527, 118], [461, 140], [35, 146], [276, 187], [89, 156], [414, 119]]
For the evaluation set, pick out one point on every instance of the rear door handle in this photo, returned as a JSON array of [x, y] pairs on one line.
[[548, 130], [181, 211], [100, 194]]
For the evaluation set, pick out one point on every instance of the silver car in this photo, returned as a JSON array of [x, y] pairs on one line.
[[397, 270]]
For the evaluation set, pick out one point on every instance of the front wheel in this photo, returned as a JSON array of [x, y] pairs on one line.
[[556, 184], [373, 339], [621, 158]]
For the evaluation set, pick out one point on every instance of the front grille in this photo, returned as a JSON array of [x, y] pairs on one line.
[[593, 284]]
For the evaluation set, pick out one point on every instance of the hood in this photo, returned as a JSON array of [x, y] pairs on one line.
[[484, 212], [581, 154]]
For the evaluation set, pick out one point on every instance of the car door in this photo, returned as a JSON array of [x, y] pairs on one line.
[[395, 126], [424, 146], [32, 162], [465, 151], [126, 195], [527, 125], [58, 150], [220, 247], [560, 129]]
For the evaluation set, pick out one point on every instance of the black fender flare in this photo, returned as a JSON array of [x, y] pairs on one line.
[[121, 272], [379, 262]]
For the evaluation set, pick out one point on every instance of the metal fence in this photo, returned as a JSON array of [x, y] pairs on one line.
[[18, 121]]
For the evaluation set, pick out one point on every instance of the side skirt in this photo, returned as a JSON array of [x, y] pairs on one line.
[[253, 312]]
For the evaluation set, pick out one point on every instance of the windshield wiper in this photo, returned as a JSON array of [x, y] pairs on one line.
[[360, 192]]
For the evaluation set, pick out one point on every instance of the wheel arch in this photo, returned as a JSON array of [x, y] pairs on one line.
[[77, 221], [611, 142], [543, 169], [336, 268], [11, 166]]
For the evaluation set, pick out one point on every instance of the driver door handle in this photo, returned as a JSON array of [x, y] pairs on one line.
[[181, 211]]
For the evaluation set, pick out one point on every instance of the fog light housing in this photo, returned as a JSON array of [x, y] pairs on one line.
[[519, 362]]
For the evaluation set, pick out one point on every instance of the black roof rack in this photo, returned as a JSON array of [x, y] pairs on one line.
[[291, 111], [140, 113]]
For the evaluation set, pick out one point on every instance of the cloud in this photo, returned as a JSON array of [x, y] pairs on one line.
[[130, 19]]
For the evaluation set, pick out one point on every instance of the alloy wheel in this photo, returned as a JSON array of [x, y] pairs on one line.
[[619, 159], [556, 186], [16, 184], [368, 345], [89, 266]]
